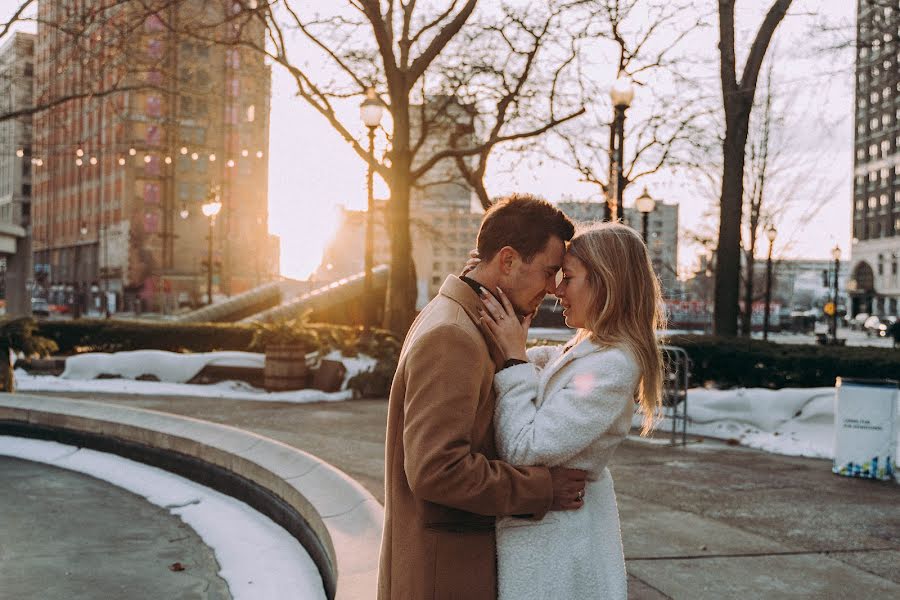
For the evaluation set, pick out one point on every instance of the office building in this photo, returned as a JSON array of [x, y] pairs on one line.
[[117, 203], [874, 284], [16, 166]]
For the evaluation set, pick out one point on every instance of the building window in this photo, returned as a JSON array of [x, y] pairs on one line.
[[153, 167], [151, 222], [154, 23], [151, 193], [154, 135], [155, 48]]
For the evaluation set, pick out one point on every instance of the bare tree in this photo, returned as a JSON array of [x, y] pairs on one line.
[[755, 193], [647, 37], [526, 79], [413, 55], [738, 98]]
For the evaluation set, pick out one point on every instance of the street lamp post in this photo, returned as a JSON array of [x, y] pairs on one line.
[[210, 209], [370, 112], [645, 205], [836, 255], [771, 232], [621, 93]]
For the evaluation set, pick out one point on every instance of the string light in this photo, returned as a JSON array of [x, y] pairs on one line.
[[93, 160], [212, 158], [168, 160], [195, 156], [147, 159], [79, 162], [20, 152], [183, 150], [230, 163], [121, 161], [132, 152], [259, 154], [245, 153], [79, 153]]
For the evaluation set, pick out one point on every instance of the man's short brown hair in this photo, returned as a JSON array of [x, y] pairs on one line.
[[523, 222]]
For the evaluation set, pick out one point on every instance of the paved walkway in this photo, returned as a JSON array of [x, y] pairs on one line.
[[703, 521], [66, 535]]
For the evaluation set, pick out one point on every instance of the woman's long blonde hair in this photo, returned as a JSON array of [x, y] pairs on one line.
[[626, 306]]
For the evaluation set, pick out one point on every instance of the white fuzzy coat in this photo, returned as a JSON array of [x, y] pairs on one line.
[[572, 409]]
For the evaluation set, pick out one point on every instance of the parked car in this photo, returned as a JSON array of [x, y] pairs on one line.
[[858, 321], [40, 307], [878, 326]]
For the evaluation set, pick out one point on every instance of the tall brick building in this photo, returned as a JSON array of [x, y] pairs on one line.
[[874, 284], [116, 205]]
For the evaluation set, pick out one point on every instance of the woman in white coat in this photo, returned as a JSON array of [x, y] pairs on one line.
[[572, 406]]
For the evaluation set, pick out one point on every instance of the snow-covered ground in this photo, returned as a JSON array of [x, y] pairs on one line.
[[258, 559], [173, 370], [790, 421]]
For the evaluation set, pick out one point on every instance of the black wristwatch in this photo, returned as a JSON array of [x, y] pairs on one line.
[[511, 362]]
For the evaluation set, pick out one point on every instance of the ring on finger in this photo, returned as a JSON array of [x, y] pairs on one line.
[[580, 495]]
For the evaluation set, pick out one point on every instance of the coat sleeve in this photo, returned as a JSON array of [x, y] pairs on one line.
[[568, 421], [443, 390], [541, 355]]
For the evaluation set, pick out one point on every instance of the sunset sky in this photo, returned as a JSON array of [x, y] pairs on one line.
[[312, 171]]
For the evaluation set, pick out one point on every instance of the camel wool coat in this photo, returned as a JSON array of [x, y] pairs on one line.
[[443, 483]]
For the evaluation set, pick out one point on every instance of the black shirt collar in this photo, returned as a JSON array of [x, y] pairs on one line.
[[479, 289]]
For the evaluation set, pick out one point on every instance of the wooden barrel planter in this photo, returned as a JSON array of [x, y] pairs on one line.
[[285, 367]]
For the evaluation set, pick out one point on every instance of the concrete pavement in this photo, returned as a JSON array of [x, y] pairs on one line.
[[703, 521], [66, 536]]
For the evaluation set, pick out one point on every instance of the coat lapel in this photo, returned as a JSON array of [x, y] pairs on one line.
[[459, 291], [582, 348]]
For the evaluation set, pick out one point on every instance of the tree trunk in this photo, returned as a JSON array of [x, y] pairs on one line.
[[728, 254], [401, 293], [7, 377]]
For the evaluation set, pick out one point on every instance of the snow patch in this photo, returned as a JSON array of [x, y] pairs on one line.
[[789, 421], [173, 370], [257, 558]]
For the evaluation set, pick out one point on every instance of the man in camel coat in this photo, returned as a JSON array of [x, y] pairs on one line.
[[444, 485]]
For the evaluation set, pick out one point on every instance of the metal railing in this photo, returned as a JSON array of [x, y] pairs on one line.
[[675, 389]]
